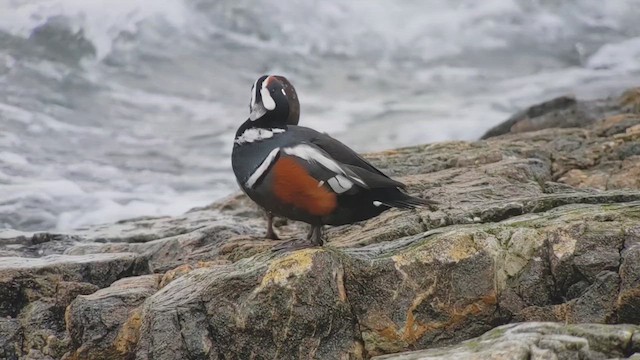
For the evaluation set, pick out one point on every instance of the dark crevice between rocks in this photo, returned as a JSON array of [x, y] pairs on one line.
[[512, 210], [150, 339], [211, 331], [14, 298], [179, 322], [354, 313], [530, 351], [499, 316], [621, 248], [578, 285], [629, 349], [23, 340], [556, 295]]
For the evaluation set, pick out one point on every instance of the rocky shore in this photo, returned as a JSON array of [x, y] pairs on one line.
[[535, 247]]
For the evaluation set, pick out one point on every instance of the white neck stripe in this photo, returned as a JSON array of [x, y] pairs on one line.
[[257, 134], [260, 171]]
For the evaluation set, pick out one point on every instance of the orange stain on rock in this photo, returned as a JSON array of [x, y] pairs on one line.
[[293, 185]]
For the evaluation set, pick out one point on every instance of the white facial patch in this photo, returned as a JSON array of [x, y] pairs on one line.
[[262, 169], [339, 184], [267, 100], [254, 90], [256, 134]]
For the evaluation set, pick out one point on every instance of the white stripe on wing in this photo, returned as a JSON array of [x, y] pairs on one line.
[[313, 155]]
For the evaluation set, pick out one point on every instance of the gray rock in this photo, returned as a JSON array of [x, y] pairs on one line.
[[629, 297], [209, 230], [533, 226], [538, 341], [10, 339], [436, 288], [565, 112], [104, 324], [280, 307], [36, 291], [23, 244]]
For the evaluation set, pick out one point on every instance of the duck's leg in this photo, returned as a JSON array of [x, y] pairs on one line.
[[314, 238], [316, 235], [271, 234]]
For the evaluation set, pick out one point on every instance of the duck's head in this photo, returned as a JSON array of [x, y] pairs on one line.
[[292, 97], [269, 99]]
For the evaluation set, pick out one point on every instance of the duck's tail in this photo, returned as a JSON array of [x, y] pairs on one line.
[[402, 200]]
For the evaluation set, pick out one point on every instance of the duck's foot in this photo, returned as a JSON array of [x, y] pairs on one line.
[[314, 239], [271, 234]]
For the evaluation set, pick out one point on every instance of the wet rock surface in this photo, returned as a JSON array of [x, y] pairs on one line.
[[104, 324], [567, 111], [539, 341], [34, 293], [535, 225]]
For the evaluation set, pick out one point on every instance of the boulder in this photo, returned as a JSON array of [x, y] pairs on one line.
[[36, 291], [566, 112], [435, 288], [103, 325]]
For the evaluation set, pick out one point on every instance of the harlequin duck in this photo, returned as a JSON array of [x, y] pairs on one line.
[[292, 119], [301, 174]]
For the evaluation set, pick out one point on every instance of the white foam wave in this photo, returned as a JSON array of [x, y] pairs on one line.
[[102, 21], [622, 56], [106, 208], [40, 122], [11, 158], [424, 31], [414, 29], [147, 129]]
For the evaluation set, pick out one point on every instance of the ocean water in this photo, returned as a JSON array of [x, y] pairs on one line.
[[111, 109]]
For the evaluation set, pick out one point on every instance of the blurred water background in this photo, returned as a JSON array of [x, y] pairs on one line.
[[111, 109]]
